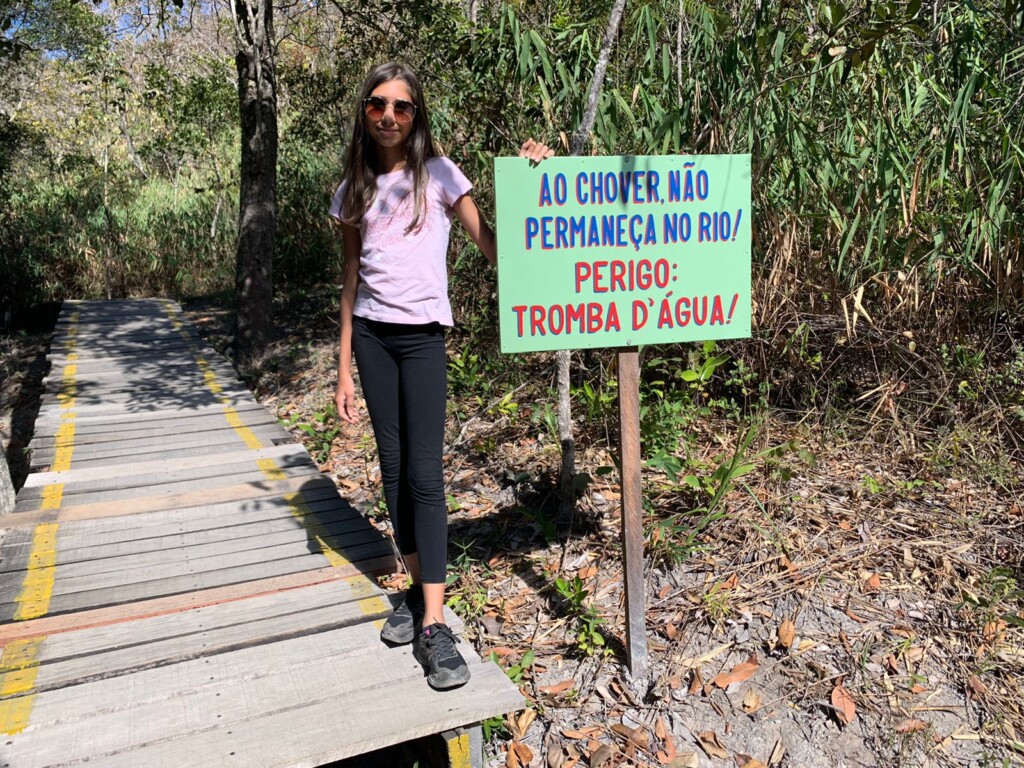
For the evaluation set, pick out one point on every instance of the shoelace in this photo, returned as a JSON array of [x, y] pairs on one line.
[[442, 639]]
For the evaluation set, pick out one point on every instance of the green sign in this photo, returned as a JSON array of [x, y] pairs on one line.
[[622, 251]]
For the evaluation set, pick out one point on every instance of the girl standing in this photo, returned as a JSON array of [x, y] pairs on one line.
[[395, 206]]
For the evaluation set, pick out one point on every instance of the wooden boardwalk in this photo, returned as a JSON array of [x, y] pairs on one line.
[[180, 586]]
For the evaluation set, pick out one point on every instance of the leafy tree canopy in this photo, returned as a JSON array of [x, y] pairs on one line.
[[54, 27]]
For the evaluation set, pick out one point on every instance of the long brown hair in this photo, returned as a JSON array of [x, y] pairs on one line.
[[362, 162]]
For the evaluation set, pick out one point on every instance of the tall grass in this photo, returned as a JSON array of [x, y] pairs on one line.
[[886, 136]]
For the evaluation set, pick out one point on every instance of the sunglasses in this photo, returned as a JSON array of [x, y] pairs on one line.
[[376, 106]]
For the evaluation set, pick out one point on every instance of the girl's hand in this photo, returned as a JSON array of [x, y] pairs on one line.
[[345, 399], [535, 151]]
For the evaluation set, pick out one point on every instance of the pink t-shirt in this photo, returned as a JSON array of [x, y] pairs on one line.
[[403, 278]]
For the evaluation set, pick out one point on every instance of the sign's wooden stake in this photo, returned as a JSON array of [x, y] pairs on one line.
[[632, 510]]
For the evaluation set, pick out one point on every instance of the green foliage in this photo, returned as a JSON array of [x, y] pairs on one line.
[[673, 538], [998, 596], [586, 619], [465, 583], [319, 433], [65, 28], [884, 137], [515, 672]]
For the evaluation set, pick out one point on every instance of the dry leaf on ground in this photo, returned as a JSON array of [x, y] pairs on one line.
[[911, 726], [711, 744], [519, 755], [737, 674], [553, 751], [520, 723], [752, 701], [602, 756], [637, 736], [975, 687], [778, 752], [787, 634], [561, 687], [846, 707]]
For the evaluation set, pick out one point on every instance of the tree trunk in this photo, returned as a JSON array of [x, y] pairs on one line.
[[567, 475], [257, 199]]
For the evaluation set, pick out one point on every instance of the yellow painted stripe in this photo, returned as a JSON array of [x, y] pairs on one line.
[[19, 664], [249, 438], [269, 467], [459, 752], [65, 447], [18, 669], [300, 509], [210, 378], [271, 470], [52, 496], [36, 590]]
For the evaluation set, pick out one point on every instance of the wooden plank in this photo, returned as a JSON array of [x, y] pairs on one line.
[[155, 426], [339, 521], [98, 617], [15, 548], [83, 443], [103, 351], [121, 420], [109, 436], [140, 330], [154, 473], [101, 537], [184, 629], [106, 375], [193, 556], [116, 594], [225, 444], [318, 732], [210, 480], [110, 307], [187, 498], [275, 695], [74, 658], [144, 398], [212, 447], [199, 400], [212, 565], [124, 386]]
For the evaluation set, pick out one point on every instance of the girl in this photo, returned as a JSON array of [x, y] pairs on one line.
[[395, 206]]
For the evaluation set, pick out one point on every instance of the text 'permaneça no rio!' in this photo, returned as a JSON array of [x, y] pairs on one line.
[[623, 229]]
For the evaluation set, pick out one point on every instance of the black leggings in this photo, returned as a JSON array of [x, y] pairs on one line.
[[404, 376]]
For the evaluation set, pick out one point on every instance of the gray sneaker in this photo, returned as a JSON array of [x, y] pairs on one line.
[[401, 626], [435, 649]]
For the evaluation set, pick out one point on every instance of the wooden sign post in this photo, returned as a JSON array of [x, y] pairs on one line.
[[620, 252], [632, 510]]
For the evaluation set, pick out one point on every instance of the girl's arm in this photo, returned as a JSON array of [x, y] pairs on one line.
[[477, 229], [345, 395], [469, 215]]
